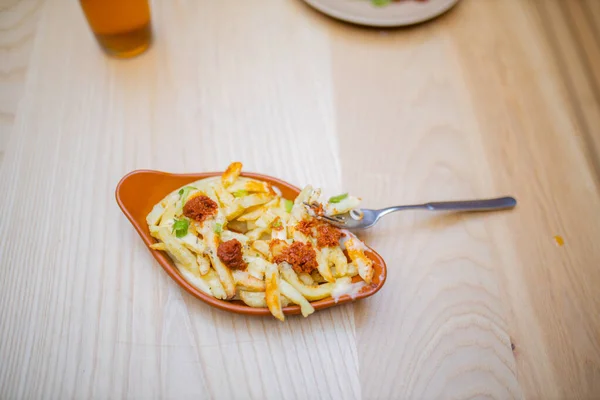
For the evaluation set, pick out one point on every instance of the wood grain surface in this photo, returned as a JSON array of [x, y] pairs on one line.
[[496, 97]]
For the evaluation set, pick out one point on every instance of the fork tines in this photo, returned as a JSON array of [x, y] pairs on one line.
[[329, 218]]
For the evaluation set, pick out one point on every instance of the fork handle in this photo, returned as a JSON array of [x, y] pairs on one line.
[[499, 203]]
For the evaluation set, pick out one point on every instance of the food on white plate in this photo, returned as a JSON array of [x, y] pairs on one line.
[[381, 3], [237, 239]]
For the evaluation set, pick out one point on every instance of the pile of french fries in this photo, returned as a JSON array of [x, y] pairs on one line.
[[256, 214]]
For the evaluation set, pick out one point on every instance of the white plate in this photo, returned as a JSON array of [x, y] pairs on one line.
[[405, 12]]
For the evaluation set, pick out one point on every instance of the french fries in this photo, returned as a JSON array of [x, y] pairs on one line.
[[158, 246], [323, 267], [222, 271], [250, 244], [247, 282], [257, 267], [195, 279], [262, 247], [250, 185], [258, 299], [215, 285], [203, 264], [335, 256], [305, 278], [239, 205], [295, 297], [356, 252], [312, 293], [231, 173], [272, 292]]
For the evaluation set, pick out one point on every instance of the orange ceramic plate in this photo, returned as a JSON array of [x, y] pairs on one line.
[[140, 190]]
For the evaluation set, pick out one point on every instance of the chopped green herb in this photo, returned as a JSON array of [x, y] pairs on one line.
[[277, 224], [180, 227], [338, 198], [184, 192], [288, 205], [380, 3], [240, 193], [218, 228]]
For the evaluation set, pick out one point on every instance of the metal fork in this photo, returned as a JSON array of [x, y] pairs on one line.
[[365, 218]]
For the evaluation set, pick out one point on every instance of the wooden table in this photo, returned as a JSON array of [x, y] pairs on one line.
[[496, 97]]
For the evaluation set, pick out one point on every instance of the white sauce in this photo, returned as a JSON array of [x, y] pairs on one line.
[[357, 242], [347, 235], [343, 287]]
